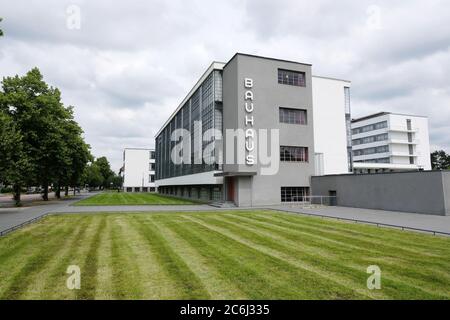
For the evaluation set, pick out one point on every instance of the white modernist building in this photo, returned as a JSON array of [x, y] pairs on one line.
[[388, 141], [139, 170], [331, 117]]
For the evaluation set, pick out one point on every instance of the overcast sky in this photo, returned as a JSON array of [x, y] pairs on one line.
[[126, 65]]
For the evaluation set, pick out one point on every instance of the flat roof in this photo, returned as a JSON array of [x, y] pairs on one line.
[[263, 57], [331, 78], [379, 114], [148, 149], [215, 65]]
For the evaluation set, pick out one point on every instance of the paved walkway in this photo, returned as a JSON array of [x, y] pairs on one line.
[[10, 217], [404, 219]]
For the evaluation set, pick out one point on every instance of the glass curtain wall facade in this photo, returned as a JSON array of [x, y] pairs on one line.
[[204, 105]]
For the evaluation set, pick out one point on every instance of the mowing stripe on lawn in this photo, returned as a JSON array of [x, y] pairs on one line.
[[401, 255], [54, 275], [351, 278], [122, 198], [354, 277], [217, 286], [409, 238], [89, 269], [405, 258], [155, 282], [187, 281], [344, 240], [265, 275], [378, 239], [126, 273], [358, 259], [34, 263], [105, 290]]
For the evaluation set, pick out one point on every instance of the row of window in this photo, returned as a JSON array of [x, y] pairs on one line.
[[378, 137], [377, 160], [194, 192], [140, 189], [370, 127], [372, 150]]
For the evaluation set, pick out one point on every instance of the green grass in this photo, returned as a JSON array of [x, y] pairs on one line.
[[219, 255], [128, 198]]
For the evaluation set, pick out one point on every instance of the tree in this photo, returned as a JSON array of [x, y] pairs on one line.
[[73, 157], [92, 176], [15, 166], [440, 160], [114, 181], [105, 170], [51, 140]]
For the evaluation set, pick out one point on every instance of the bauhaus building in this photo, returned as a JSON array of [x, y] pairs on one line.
[[302, 120]]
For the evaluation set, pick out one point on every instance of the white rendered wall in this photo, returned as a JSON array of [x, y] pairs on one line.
[[330, 137], [421, 137], [398, 140], [137, 168]]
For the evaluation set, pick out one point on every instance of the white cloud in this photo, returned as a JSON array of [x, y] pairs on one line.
[[132, 62]]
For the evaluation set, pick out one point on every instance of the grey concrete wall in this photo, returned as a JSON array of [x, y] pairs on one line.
[[420, 192], [269, 95]]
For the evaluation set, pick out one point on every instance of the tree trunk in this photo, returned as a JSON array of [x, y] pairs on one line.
[[45, 195], [73, 190], [16, 195], [58, 191], [66, 191]]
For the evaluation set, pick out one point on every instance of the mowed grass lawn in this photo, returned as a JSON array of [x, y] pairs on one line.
[[219, 255], [129, 198]]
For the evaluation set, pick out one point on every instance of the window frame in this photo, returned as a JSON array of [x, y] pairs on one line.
[[291, 114], [294, 154], [291, 80]]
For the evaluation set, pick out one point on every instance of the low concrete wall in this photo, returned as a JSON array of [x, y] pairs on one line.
[[425, 192]]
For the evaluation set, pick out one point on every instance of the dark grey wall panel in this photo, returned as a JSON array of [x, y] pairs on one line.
[[420, 192]]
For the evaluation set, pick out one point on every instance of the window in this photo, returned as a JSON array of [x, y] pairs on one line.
[[294, 154], [152, 167], [293, 194], [293, 116], [152, 154], [292, 78], [151, 178]]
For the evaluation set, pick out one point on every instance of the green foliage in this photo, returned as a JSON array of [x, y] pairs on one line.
[[440, 160], [47, 143], [92, 176], [105, 170]]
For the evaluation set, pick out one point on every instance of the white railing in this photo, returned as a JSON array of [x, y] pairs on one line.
[[308, 200]]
